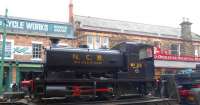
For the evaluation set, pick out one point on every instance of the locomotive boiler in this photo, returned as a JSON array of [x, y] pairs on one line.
[[125, 70]]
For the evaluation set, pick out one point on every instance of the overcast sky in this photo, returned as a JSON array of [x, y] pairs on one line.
[[157, 12]]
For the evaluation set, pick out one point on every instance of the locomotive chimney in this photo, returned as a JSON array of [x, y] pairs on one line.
[[54, 42]]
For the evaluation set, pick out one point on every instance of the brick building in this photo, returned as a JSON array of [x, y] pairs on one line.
[[25, 43], [176, 49]]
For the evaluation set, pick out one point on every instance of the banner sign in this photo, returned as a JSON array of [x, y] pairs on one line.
[[33, 27], [22, 50], [162, 55]]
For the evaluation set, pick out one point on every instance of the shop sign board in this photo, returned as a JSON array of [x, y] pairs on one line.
[[11, 50], [25, 26], [160, 55], [22, 50], [176, 58]]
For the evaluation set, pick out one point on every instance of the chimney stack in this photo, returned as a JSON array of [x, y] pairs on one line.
[[71, 15], [186, 35], [186, 29]]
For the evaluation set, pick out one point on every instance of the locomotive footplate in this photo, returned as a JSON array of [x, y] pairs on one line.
[[100, 80]]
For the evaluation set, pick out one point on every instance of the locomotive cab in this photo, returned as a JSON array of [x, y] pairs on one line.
[[138, 59]]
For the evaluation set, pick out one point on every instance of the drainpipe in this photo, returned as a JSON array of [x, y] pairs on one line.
[[3, 50]]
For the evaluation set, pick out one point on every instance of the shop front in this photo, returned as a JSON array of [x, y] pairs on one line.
[[29, 71], [172, 64], [14, 72]]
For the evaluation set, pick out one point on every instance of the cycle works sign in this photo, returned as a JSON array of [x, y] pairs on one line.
[[22, 50], [33, 27]]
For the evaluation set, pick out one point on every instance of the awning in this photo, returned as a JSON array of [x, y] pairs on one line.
[[30, 65], [175, 64]]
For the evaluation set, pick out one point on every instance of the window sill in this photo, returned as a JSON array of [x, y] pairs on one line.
[[36, 59]]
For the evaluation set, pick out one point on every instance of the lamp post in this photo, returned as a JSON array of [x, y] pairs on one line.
[[3, 50]]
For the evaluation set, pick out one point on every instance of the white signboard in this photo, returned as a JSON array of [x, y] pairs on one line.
[[23, 50]]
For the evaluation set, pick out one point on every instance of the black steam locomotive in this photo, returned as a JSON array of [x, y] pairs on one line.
[[125, 70]]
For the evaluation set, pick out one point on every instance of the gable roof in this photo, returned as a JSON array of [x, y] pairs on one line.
[[101, 24]]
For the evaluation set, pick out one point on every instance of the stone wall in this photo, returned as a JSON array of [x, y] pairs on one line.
[[186, 47]]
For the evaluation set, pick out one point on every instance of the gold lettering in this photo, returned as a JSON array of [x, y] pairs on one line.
[[132, 64], [135, 65], [88, 58], [99, 58], [75, 57], [140, 65]]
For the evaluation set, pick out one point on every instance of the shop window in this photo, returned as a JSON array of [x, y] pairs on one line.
[[169, 71], [9, 46], [36, 51], [175, 49]]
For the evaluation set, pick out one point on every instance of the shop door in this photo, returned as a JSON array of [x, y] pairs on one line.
[[6, 83]]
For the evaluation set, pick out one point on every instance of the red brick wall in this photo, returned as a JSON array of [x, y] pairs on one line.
[[26, 40]]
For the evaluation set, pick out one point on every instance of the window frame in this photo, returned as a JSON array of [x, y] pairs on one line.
[[91, 45], [97, 41], [196, 50], [103, 43], [40, 43], [177, 50], [12, 48], [157, 44]]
